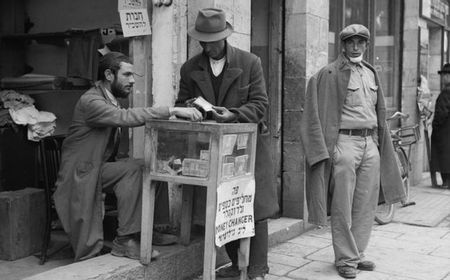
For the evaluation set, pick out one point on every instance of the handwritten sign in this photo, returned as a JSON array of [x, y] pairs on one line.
[[131, 4], [135, 22], [234, 213]]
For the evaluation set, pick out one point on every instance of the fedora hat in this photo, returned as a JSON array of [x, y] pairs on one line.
[[210, 26], [445, 69]]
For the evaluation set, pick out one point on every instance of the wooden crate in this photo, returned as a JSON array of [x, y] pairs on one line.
[[22, 220]]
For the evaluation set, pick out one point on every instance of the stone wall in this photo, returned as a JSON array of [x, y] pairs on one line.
[[306, 51]]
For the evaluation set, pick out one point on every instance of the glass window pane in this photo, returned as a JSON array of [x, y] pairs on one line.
[[356, 11], [333, 28], [445, 54], [386, 59]]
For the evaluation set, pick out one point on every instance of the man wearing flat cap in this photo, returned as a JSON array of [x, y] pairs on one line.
[[440, 137], [345, 137], [232, 80]]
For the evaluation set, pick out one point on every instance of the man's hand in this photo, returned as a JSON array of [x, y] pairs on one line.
[[188, 113], [222, 114]]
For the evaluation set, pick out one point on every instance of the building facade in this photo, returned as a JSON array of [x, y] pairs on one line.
[[294, 39]]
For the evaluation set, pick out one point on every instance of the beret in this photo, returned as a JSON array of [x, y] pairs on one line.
[[354, 30]]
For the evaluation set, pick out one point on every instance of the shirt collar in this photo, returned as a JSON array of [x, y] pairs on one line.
[[111, 97], [345, 62]]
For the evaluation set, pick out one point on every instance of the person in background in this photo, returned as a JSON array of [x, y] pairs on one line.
[[440, 136], [232, 80], [345, 137], [88, 164]]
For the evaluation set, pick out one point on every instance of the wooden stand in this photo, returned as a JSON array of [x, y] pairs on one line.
[[186, 137]]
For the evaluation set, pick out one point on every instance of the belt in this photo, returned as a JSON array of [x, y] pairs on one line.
[[357, 132]]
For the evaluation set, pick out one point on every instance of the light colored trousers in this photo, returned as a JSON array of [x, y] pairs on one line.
[[124, 179], [356, 175]]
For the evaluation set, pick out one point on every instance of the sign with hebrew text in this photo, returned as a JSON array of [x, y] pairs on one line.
[[234, 212], [135, 22]]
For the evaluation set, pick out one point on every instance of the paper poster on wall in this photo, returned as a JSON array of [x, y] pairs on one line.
[[234, 213], [135, 22]]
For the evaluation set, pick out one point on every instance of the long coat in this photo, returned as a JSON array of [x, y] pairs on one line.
[[319, 128], [243, 92], [440, 137], [78, 196]]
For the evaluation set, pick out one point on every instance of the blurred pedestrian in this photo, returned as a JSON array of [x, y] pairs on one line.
[[440, 136], [345, 137]]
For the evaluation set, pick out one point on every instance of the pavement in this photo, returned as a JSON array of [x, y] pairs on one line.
[[407, 248], [411, 247]]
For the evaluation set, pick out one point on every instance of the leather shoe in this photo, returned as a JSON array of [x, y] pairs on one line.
[[366, 265], [129, 248], [163, 239], [228, 272], [346, 271]]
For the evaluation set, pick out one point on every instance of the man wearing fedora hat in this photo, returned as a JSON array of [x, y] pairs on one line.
[[440, 136], [345, 137], [232, 80]]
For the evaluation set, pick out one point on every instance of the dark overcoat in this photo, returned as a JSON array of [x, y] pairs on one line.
[[78, 198], [440, 137], [243, 92], [319, 128]]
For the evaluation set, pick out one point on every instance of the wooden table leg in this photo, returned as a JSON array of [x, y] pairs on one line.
[[243, 257], [209, 260], [148, 207], [186, 214]]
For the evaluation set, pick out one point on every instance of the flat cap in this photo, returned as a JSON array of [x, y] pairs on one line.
[[354, 30]]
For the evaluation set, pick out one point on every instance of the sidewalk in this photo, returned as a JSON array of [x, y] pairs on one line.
[[401, 251]]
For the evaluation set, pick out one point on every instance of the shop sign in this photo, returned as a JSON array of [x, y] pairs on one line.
[[134, 17], [234, 213], [135, 22], [436, 10]]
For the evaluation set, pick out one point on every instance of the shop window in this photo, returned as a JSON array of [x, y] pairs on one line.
[[385, 49], [445, 53], [356, 11], [333, 31], [382, 17]]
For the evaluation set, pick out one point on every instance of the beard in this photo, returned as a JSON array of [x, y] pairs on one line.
[[118, 90]]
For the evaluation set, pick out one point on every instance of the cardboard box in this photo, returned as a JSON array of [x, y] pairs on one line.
[[22, 223]]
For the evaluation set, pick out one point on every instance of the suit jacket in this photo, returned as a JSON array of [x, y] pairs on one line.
[[78, 198], [243, 92], [319, 128]]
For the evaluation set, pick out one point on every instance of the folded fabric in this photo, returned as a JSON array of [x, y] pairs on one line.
[[40, 123], [30, 115], [14, 100], [40, 130]]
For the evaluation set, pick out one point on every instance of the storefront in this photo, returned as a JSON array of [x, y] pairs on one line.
[[60, 41]]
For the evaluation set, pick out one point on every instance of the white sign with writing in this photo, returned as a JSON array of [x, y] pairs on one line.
[[135, 22], [131, 4], [234, 213]]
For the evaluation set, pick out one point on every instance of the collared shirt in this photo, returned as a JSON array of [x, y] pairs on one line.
[[359, 106], [217, 65], [112, 147], [112, 98]]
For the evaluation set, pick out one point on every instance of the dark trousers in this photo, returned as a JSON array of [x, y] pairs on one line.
[[445, 179], [258, 251]]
